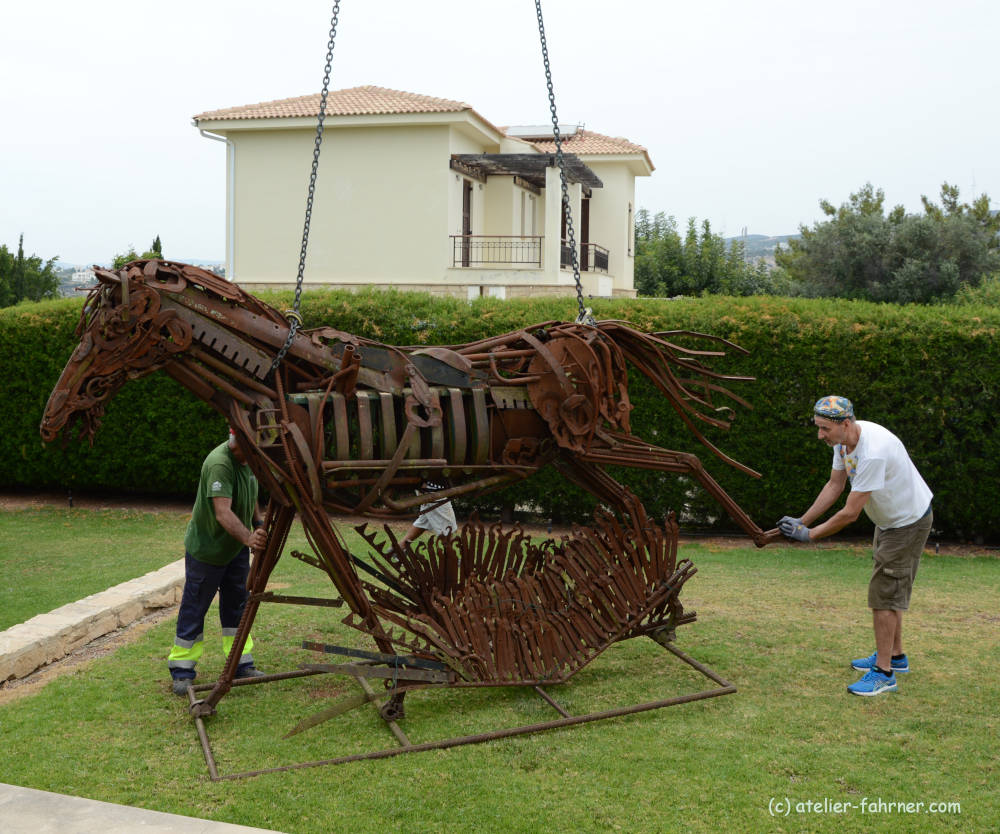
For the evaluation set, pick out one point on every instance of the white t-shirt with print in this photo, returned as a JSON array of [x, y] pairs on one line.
[[880, 465]]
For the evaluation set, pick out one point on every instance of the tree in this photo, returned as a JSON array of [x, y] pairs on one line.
[[665, 265], [861, 252], [26, 277], [154, 251], [118, 261]]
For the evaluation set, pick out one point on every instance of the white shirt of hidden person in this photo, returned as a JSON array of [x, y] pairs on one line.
[[880, 465]]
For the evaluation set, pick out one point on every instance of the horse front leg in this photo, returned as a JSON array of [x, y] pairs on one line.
[[735, 511], [588, 474], [260, 572]]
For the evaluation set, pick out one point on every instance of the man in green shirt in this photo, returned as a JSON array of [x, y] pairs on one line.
[[224, 526]]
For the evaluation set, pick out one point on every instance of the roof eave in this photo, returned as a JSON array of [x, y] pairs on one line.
[[638, 161], [456, 117]]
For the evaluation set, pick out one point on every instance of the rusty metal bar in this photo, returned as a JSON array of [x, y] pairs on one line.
[[402, 673], [199, 724], [410, 463], [378, 657], [281, 676], [558, 708], [243, 379], [270, 596], [701, 667], [445, 494], [332, 483], [492, 736], [393, 726], [218, 381]]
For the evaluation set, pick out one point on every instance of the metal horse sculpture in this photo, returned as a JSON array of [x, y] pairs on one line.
[[346, 425]]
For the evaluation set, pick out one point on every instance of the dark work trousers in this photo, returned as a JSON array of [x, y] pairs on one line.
[[201, 581]]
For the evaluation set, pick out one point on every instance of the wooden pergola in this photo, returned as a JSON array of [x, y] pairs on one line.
[[527, 167]]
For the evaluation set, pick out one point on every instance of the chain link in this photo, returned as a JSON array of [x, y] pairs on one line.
[[585, 316], [293, 315]]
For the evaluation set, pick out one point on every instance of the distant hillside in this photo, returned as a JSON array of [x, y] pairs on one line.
[[762, 246]]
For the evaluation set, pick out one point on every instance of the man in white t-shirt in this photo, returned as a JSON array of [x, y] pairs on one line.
[[888, 487]]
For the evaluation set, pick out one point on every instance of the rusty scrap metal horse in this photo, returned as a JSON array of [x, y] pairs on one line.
[[348, 425]]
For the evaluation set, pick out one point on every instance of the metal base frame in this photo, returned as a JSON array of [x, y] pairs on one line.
[[725, 688]]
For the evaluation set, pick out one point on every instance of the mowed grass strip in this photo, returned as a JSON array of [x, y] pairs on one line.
[[783, 624], [50, 557]]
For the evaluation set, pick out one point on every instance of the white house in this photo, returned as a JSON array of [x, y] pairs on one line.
[[422, 193]]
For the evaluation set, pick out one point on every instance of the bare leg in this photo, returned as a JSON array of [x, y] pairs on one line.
[[888, 627], [413, 534]]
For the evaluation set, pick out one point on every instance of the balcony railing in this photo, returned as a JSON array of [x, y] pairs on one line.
[[474, 250], [593, 258]]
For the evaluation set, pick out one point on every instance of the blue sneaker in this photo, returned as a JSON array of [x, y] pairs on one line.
[[874, 683], [896, 666]]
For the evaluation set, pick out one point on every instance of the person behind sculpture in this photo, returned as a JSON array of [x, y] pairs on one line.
[[435, 517], [886, 484], [217, 559]]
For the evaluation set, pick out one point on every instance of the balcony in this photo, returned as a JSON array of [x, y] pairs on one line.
[[499, 250], [593, 258]]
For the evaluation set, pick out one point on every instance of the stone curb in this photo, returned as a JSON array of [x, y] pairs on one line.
[[49, 637]]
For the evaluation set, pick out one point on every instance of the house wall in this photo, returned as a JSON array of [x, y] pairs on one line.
[[501, 213], [380, 213], [609, 217], [387, 203]]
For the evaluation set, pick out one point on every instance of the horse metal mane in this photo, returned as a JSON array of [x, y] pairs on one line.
[[347, 425]]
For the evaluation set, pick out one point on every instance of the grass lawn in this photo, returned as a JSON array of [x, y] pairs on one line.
[[51, 557], [782, 624]]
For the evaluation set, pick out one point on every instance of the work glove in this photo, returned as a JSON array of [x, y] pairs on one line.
[[794, 529]]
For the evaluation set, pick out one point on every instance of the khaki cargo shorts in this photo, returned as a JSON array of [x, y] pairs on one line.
[[897, 557], [440, 521]]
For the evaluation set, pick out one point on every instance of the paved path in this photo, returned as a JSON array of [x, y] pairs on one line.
[[27, 811]]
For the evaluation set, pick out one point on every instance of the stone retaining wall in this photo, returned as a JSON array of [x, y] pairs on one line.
[[49, 637]]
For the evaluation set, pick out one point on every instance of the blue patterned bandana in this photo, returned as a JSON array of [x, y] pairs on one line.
[[837, 409]]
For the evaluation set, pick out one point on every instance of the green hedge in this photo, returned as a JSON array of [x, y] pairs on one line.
[[929, 374]]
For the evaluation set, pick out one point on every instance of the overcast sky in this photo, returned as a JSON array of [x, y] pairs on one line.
[[752, 111]]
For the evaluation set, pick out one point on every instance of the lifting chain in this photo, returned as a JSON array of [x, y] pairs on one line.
[[293, 315], [585, 313], [295, 318]]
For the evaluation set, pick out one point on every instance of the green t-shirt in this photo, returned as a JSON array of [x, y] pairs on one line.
[[222, 476]]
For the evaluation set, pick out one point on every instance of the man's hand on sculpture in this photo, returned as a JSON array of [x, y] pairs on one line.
[[257, 540], [794, 529], [788, 518]]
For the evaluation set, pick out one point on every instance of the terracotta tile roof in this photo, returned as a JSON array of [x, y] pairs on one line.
[[587, 142], [356, 101]]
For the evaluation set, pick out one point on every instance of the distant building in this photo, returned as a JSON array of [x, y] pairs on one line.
[[416, 192]]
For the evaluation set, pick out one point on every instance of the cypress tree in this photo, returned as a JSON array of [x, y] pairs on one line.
[[19, 271]]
